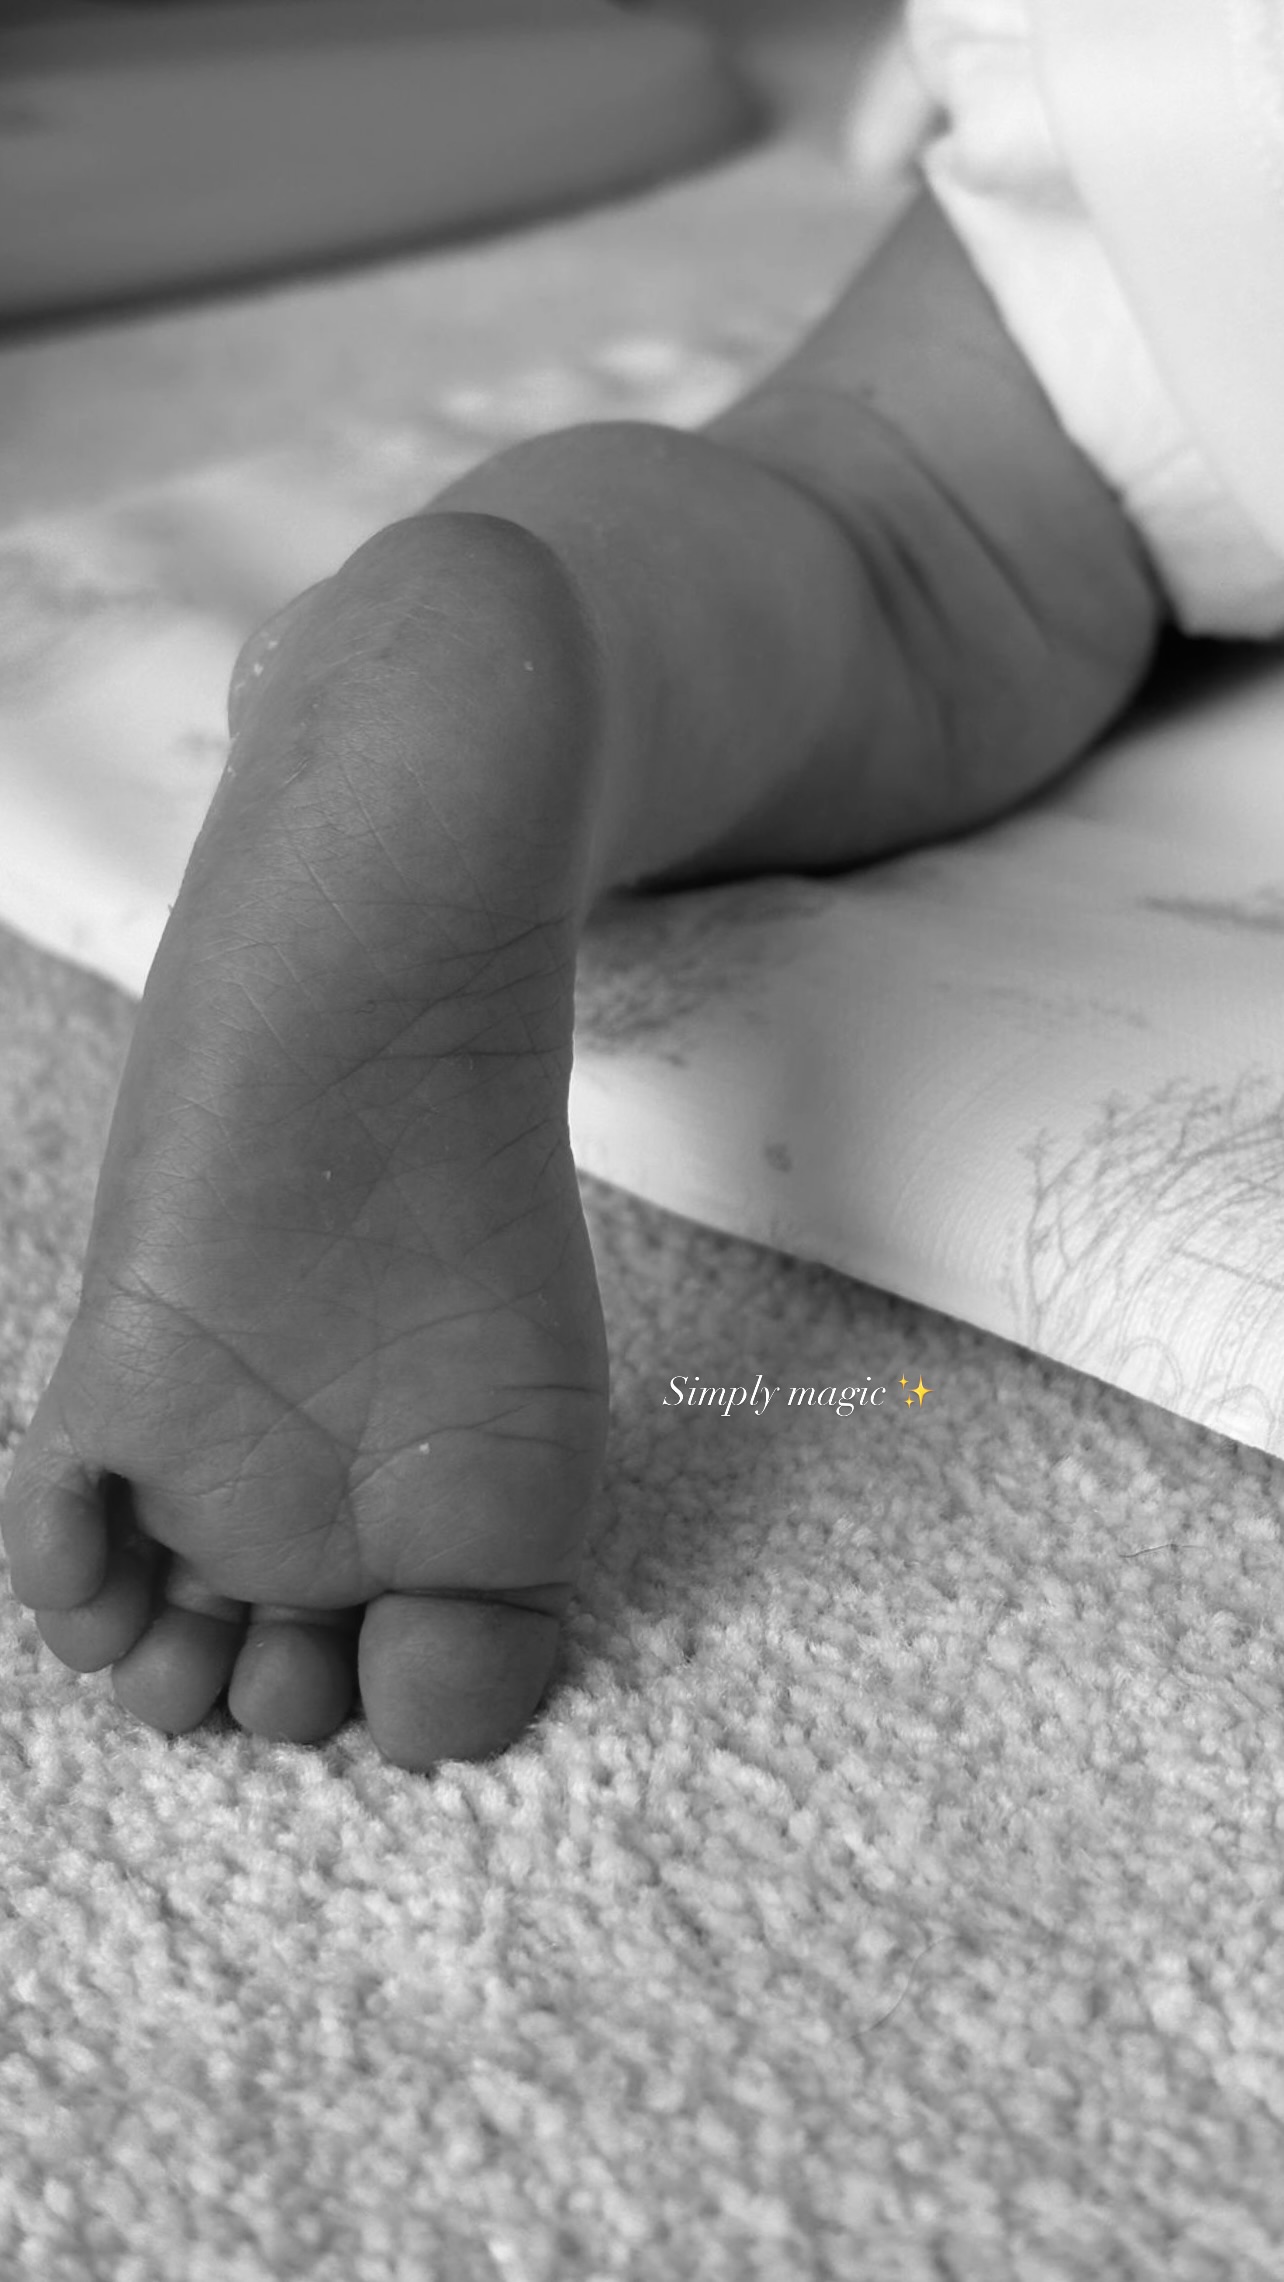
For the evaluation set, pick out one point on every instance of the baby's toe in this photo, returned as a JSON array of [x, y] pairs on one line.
[[295, 1676], [446, 1677], [174, 1675], [105, 1628], [55, 1520]]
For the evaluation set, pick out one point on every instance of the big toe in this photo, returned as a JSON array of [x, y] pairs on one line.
[[452, 1677]]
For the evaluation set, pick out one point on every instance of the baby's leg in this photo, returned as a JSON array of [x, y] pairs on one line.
[[334, 1402]]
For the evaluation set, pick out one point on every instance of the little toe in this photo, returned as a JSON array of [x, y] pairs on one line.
[[105, 1628], [454, 1677], [295, 1676], [54, 1521]]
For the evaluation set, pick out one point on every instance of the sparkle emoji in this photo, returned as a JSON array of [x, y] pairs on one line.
[[920, 1390]]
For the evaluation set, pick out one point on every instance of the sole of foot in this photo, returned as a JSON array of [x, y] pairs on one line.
[[332, 1412]]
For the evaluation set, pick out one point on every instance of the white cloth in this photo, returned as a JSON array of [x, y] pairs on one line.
[[1115, 169]]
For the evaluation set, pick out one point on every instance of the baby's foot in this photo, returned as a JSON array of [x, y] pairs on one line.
[[334, 1402]]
